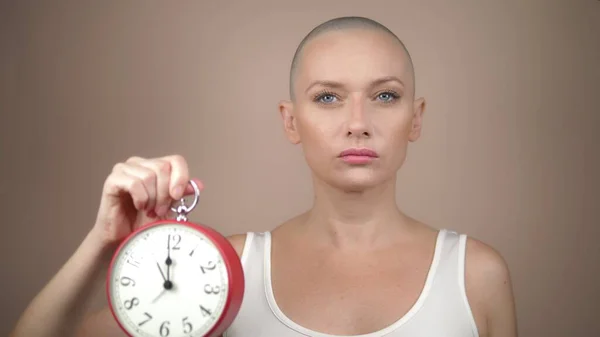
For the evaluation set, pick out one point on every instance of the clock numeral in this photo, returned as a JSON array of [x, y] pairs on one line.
[[193, 250], [164, 329], [211, 290], [210, 265], [126, 281], [133, 259], [149, 317], [187, 326], [205, 312], [133, 262], [177, 239], [132, 303]]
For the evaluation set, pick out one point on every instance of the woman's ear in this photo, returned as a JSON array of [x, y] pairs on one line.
[[286, 109], [417, 121]]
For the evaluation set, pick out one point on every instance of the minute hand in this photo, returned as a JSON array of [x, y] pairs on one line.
[[169, 261]]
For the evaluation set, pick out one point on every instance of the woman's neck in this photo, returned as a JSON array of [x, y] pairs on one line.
[[355, 219]]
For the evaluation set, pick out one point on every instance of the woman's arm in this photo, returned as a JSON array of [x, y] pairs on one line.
[[58, 309], [489, 289]]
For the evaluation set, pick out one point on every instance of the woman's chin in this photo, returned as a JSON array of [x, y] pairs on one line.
[[357, 181]]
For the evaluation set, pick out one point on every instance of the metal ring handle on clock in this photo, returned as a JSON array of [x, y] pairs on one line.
[[182, 210]]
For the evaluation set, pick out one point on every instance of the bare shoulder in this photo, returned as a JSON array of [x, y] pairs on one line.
[[237, 241], [489, 289], [485, 265]]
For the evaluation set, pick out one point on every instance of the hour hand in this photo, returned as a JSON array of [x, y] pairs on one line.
[[161, 272], [168, 284]]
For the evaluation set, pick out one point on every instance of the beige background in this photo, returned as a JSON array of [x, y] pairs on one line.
[[508, 152]]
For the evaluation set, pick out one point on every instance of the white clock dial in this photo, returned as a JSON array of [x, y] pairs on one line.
[[169, 280]]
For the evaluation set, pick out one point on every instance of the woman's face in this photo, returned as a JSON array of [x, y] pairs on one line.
[[353, 91]]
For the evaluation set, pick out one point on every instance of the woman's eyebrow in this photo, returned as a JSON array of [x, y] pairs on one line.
[[338, 85]]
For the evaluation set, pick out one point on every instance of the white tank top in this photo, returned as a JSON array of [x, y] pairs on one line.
[[442, 308]]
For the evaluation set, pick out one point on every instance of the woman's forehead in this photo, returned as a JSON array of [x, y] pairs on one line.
[[353, 56]]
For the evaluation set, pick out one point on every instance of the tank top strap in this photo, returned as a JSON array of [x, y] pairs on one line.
[[450, 246], [447, 266], [255, 307], [254, 254], [449, 281]]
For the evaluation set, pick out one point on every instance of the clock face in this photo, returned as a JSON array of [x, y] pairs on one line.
[[168, 280]]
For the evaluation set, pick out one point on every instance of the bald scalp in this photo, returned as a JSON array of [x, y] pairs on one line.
[[338, 24]]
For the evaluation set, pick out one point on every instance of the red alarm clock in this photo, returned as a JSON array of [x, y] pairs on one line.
[[175, 278]]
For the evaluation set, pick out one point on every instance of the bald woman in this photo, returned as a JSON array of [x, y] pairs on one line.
[[353, 264]]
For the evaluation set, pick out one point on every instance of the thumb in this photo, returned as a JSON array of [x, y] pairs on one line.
[[189, 189]]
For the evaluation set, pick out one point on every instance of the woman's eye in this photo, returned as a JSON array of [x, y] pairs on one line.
[[327, 99], [387, 96]]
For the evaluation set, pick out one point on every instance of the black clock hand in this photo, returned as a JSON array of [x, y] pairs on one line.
[[161, 272], [168, 261], [167, 285]]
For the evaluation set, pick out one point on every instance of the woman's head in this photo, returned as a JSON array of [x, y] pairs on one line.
[[352, 88]]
